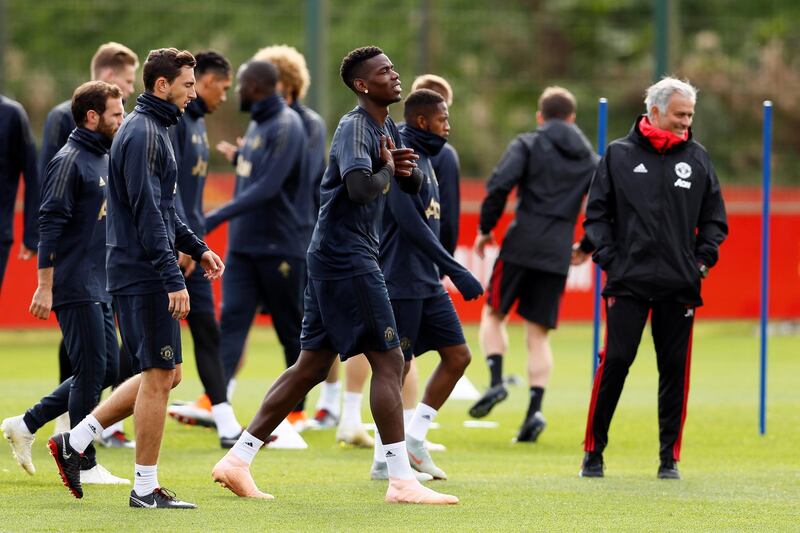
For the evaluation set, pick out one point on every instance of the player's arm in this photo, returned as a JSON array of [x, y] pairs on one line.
[[143, 186], [406, 210], [601, 213], [712, 226], [60, 189], [506, 175], [448, 172], [363, 185], [270, 172], [27, 151]]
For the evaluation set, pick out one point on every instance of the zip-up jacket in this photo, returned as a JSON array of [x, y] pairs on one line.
[[143, 233], [190, 144], [654, 218], [551, 168], [269, 172], [17, 155], [448, 173], [411, 255], [72, 219], [307, 203]]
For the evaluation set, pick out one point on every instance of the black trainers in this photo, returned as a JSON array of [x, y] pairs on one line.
[[531, 428], [592, 465], [68, 462], [226, 443], [160, 498], [490, 398], [668, 470]]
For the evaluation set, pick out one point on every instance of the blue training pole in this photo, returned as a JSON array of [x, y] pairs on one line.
[[766, 172], [602, 127]]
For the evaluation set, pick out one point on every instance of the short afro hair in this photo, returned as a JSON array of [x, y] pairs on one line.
[[291, 67], [421, 102], [352, 61]]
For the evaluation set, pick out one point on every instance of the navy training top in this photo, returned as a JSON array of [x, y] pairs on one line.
[[190, 144], [72, 219], [411, 254], [347, 235], [57, 128], [143, 231], [17, 155], [448, 173], [269, 170], [308, 196]]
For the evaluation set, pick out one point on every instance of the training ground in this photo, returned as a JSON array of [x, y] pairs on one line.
[[734, 479]]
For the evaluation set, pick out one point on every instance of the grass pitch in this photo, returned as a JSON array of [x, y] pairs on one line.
[[734, 479]]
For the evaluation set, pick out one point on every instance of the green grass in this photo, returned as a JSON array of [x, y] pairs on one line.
[[734, 479]]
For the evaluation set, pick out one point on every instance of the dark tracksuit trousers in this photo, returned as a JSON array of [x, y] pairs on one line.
[[671, 324], [90, 336], [278, 283]]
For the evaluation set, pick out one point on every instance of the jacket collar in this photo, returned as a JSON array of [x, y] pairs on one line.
[[93, 141], [639, 136], [163, 111], [422, 141], [197, 107], [267, 108]]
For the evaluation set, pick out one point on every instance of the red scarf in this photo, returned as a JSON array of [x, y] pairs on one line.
[[662, 140]]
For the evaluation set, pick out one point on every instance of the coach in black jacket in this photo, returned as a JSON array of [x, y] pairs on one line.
[[551, 168], [656, 218]]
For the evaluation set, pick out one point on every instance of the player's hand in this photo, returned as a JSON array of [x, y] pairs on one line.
[[25, 253], [179, 304], [405, 159], [229, 149], [481, 241], [42, 302], [212, 264], [186, 263], [578, 256], [467, 284], [386, 153]]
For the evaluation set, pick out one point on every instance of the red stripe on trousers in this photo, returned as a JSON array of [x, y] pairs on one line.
[[676, 448], [497, 276], [589, 436]]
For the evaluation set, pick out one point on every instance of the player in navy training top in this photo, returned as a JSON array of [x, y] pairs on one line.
[[347, 309], [190, 143], [17, 155], [72, 273], [413, 259], [143, 236]]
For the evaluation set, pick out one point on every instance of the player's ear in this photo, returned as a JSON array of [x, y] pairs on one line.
[[360, 86], [422, 123]]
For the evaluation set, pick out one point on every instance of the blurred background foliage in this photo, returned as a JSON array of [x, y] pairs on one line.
[[497, 54]]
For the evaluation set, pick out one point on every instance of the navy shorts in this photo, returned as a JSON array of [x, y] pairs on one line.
[[349, 316], [538, 292], [201, 299], [427, 324], [149, 333]]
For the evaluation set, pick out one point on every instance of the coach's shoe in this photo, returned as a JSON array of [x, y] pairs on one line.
[[421, 460], [234, 474], [411, 491], [380, 472], [98, 475], [192, 414], [668, 470], [160, 498], [118, 439], [435, 447], [20, 440], [490, 398], [68, 461], [592, 465], [355, 436], [323, 419], [531, 428]]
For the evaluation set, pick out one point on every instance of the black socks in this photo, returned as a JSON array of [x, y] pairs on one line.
[[537, 393], [495, 362]]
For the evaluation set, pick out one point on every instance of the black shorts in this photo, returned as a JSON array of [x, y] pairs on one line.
[[149, 333], [538, 292], [349, 316], [427, 324], [201, 298]]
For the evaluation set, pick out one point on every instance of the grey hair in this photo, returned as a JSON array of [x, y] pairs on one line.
[[659, 93]]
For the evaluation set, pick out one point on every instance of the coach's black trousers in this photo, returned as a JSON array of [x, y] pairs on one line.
[[671, 324]]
